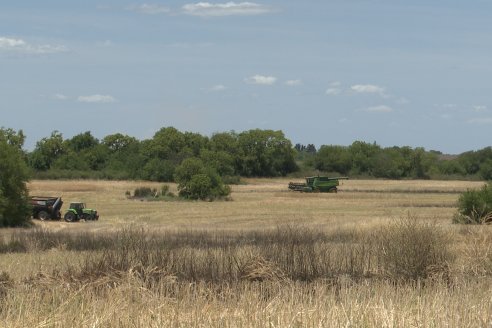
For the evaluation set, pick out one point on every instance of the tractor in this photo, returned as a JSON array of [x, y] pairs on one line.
[[317, 184], [78, 211]]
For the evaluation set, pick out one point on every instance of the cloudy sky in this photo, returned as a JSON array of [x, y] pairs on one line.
[[415, 73]]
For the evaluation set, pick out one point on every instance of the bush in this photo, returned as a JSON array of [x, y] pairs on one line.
[[475, 206], [195, 181], [143, 192], [412, 250]]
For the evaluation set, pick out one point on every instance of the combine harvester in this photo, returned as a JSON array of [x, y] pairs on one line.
[[317, 184]]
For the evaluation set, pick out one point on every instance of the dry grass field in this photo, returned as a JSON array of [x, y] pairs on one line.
[[376, 254]]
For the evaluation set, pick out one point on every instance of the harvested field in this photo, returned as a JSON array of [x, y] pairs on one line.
[[375, 254]]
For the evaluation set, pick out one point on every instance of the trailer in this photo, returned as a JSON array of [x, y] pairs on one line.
[[46, 207]]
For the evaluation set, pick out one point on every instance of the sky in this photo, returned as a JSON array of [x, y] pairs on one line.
[[398, 73]]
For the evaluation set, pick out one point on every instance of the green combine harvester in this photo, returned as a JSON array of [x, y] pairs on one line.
[[317, 184]]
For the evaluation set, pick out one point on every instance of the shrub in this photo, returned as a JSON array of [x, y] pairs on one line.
[[411, 250], [143, 192], [196, 181], [475, 206]]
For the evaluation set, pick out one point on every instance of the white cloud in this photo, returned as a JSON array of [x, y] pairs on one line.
[[481, 121], [7, 43], [218, 87], [293, 83], [23, 47], [100, 99], [261, 79], [60, 96], [480, 108], [333, 91], [334, 88], [150, 9], [207, 9], [367, 88], [379, 109]]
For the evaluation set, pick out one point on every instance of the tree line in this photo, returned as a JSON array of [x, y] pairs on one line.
[[203, 166], [362, 159], [252, 153], [259, 153]]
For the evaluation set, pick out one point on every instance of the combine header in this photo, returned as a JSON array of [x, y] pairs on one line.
[[317, 184]]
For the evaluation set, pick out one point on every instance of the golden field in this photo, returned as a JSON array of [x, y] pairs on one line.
[[261, 203], [267, 258]]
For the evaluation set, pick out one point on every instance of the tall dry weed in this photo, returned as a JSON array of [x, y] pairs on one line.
[[413, 249]]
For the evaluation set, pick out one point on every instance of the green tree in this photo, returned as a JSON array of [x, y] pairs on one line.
[[221, 161], [118, 142], [361, 154], [125, 158], [451, 167], [13, 137], [195, 142], [333, 159], [265, 153], [14, 206], [421, 163], [486, 170], [470, 162], [389, 163], [196, 181], [47, 151], [82, 141], [225, 141], [158, 170], [166, 144]]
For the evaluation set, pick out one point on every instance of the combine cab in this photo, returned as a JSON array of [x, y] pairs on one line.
[[317, 184]]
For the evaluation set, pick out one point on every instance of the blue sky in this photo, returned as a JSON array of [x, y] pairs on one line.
[[415, 73]]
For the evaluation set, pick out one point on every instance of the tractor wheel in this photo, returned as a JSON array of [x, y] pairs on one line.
[[70, 217], [43, 215]]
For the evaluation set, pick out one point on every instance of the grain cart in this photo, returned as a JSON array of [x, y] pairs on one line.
[[317, 184], [78, 211], [44, 207]]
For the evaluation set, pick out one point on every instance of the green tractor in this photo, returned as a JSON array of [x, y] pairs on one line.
[[317, 184], [78, 211]]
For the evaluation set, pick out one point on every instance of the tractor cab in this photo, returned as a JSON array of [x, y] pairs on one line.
[[78, 207]]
